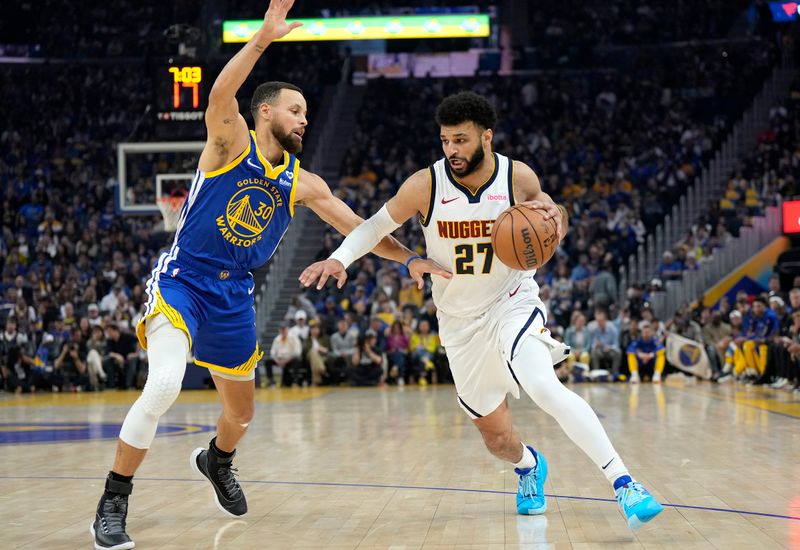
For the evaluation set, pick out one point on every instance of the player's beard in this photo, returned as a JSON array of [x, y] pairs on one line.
[[288, 140], [470, 165]]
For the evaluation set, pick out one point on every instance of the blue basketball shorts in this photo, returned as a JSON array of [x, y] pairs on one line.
[[214, 307]]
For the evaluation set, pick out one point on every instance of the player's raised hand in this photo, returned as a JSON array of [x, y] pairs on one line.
[[420, 266], [275, 19], [322, 271]]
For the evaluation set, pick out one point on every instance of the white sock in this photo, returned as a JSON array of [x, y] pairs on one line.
[[528, 459], [615, 469]]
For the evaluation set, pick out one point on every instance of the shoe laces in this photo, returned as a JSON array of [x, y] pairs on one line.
[[528, 483], [227, 477], [115, 510], [632, 494]]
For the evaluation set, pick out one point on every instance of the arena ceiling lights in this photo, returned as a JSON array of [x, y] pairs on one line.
[[369, 28]]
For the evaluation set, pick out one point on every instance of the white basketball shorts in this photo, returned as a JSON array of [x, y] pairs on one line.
[[480, 349]]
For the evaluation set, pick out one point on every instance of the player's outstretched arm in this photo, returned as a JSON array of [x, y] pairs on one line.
[[227, 129], [528, 192], [372, 235]]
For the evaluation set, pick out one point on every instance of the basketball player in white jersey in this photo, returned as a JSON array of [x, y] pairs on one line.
[[491, 320]]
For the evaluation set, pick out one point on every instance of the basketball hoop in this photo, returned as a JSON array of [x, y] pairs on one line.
[[170, 207]]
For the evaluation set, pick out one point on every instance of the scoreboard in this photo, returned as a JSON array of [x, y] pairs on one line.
[[181, 93]]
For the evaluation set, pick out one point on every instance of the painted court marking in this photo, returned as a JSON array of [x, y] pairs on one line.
[[421, 488], [26, 433]]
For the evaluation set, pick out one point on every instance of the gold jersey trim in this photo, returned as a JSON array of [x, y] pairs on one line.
[[240, 370], [295, 181], [172, 315], [231, 165], [271, 172]]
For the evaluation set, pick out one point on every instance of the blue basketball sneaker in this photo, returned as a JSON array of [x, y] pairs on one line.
[[530, 494], [637, 504]]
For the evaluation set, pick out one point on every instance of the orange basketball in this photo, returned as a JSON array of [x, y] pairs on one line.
[[522, 239]]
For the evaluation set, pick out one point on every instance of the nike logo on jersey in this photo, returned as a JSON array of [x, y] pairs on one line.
[[256, 166], [449, 200], [251, 290], [511, 294]]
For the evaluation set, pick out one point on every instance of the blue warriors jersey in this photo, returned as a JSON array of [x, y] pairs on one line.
[[232, 221], [761, 328], [235, 217], [645, 346]]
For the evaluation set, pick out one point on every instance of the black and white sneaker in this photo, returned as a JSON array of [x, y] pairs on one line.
[[108, 528], [228, 494]]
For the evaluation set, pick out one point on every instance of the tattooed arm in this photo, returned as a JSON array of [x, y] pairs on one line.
[[227, 129]]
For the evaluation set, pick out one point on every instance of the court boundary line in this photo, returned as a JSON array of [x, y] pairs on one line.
[[418, 488]]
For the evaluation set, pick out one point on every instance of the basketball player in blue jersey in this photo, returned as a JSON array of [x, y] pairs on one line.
[[491, 320], [200, 293]]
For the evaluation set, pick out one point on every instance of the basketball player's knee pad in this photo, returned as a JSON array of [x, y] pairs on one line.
[[167, 347]]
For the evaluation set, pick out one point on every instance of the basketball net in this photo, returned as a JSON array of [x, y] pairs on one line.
[[170, 207]]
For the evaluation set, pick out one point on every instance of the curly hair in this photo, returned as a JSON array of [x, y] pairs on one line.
[[463, 107]]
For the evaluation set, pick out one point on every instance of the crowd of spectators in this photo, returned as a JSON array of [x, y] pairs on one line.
[[344, 336], [98, 29], [754, 340], [757, 338], [761, 179], [378, 330]]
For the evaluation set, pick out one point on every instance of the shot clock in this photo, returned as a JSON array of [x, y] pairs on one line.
[[181, 95]]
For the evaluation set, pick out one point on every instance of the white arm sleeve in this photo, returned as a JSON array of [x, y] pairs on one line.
[[365, 237]]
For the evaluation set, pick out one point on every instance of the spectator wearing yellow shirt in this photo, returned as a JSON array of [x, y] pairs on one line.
[[602, 188], [424, 346], [573, 190], [409, 294]]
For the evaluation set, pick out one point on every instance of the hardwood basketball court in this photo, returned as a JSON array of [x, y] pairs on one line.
[[405, 469]]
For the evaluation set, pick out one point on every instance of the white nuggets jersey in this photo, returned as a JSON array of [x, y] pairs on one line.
[[457, 229]]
